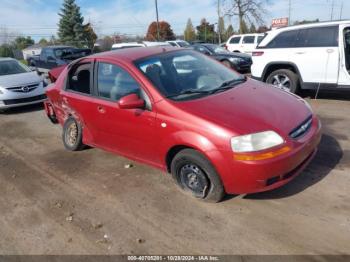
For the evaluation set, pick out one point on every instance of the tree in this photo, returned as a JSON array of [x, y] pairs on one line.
[[221, 28], [306, 22], [106, 43], [262, 29], [251, 10], [252, 28], [229, 32], [243, 28], [22, 42], [206, 31], [89, 35], [165, 32], [6, 51], [43, 42], [190, 32], [71, 28]]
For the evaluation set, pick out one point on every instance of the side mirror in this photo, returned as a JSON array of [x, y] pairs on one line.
[[131, 101]]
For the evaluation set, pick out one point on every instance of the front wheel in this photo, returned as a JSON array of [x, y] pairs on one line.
[[195, 175], [284, 79], [72, 135]]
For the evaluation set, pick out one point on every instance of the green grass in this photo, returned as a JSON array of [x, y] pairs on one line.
[[24, 61]]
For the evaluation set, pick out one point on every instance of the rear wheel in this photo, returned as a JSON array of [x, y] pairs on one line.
[[72, 135], [195, 175], [284, 79], [226, 63]]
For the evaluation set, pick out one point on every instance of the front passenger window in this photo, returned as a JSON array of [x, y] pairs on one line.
[[113, 82]]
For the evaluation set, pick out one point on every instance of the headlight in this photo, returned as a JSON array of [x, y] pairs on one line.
[[256, 142], [236, 60]]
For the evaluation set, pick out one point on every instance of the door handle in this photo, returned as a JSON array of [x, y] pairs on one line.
[[101, 109], [329, 51], [300, 53]]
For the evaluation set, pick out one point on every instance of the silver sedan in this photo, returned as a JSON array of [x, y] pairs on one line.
[[19, 85]]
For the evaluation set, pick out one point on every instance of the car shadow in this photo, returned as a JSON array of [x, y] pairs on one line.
[[334, 95], [328, 156], [23, 109]]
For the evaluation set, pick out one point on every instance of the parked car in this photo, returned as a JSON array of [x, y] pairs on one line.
[[243, 43], [127, 45], [54, 56], [213, 129], [19, 85], [179, 43], [239, 62], [307, 56], [138, 44]]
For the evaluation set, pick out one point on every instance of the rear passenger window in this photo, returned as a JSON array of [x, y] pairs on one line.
[[318, 37], [284, 40], [235, 40], [113, 82], [79, 79], [248, 39]]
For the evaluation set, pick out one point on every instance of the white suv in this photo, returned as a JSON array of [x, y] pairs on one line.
[[243, 43], [307, 56]]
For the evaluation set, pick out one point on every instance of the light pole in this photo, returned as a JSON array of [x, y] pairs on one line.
[[156, 3]]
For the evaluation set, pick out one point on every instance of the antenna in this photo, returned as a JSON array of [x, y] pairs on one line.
[[341, 10]]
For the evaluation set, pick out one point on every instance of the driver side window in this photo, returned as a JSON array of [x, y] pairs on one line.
[[113, 82]]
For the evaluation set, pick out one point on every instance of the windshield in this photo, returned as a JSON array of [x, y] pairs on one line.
[[11, 67], [63, 52], [183, 44], [186, 74], [216, 49]]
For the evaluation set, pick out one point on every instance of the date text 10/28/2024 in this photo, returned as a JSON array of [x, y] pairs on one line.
[[173, 258]]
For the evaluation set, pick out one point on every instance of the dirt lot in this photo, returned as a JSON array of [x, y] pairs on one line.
[[57, 202]]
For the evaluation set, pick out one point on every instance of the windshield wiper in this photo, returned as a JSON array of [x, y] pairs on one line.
[[228, 84], [189, 92]]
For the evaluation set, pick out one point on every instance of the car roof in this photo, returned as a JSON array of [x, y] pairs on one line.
[[7, 59], [132, 54]]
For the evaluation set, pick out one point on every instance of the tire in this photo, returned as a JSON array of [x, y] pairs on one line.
[[190, 168], [72, 136], [226, 63], [282, 75]]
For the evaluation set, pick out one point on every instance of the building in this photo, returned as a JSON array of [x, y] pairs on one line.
[[31, 50]]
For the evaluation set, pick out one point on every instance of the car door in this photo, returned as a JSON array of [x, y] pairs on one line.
[[130, 132], [77, 97], [248, 44], [344, 49], [316, 54], [234, 44]]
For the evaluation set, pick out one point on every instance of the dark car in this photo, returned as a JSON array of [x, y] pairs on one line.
[[55, 56], [215, 130], [239, 62]]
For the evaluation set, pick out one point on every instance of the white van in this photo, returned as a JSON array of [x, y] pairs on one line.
[[243, 43]]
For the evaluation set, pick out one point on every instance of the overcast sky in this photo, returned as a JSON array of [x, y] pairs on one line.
[[38, 18]]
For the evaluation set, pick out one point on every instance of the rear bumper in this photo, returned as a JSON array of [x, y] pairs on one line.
[[243, 177]]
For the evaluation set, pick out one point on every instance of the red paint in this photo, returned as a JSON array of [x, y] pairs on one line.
[[206, 124]]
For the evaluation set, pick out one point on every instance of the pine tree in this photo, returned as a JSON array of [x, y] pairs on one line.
[[221, 28], [229, 32], [252, 28], [71, 28], [190, 32]]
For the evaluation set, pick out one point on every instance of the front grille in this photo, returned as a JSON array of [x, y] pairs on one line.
[[302, 129], [24, 88], [23, 100]]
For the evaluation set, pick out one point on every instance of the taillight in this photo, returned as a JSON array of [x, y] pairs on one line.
[[258, 53]]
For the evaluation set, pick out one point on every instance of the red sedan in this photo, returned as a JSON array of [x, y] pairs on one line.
[[213, 129]]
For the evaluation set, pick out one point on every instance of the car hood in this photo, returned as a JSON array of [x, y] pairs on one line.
[[250, 107], [19, 79]]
